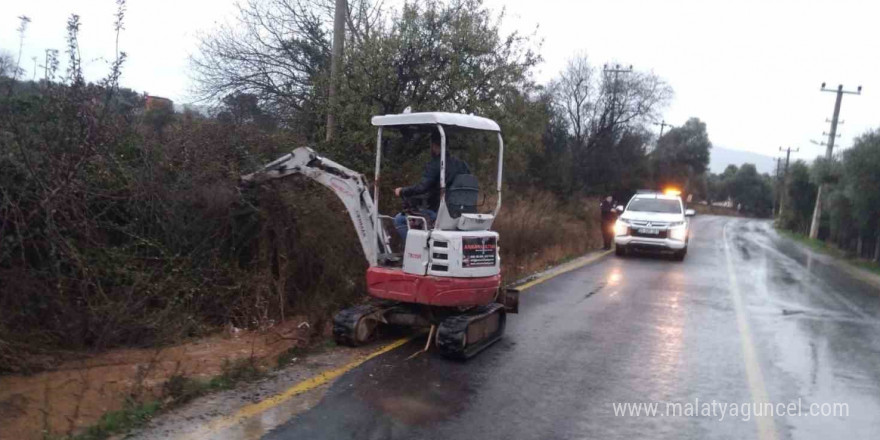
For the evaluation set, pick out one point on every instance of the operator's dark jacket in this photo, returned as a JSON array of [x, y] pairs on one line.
[[430, 183]]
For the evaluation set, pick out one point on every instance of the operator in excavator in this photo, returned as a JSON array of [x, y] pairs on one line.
[[429, 185]]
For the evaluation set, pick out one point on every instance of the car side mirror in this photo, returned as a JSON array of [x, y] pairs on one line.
[[619, 208], [689, 213]]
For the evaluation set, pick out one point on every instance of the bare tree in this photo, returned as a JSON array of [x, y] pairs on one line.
[[606, 118], [277, 50], [8, 68], [595, 106], [274, 50], [575, 93], [634, 98]]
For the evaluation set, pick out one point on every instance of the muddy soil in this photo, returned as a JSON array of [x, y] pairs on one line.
[[74, 396]]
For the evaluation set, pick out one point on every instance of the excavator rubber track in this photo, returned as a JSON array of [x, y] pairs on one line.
[[357, 325], [463, 336]]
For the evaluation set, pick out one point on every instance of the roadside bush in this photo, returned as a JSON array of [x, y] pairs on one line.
[[120, 226], [538, 229]]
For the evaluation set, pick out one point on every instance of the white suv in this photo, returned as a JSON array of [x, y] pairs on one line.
[[653, 221]]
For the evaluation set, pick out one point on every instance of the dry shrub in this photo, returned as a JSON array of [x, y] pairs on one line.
[[122, 228], [125, 226], [538, 230], [115, 231], [131, 235]]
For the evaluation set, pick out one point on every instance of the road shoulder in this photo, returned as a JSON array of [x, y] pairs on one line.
[[826, 256], [294, 389]]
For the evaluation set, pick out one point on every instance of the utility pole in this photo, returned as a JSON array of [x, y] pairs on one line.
[[817, 212], [776, 180], [335, 61], [662, 124], [785, 178], [616, 70]]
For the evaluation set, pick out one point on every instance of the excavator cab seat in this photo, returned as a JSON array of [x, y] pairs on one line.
[[462, 195]]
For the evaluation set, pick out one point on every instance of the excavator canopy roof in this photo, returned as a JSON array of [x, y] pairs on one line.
[[433, 118]]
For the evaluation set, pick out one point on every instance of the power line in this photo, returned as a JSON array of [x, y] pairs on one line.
[[817, 212]]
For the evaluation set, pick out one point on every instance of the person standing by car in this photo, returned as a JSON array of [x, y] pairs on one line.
[[608, 216]]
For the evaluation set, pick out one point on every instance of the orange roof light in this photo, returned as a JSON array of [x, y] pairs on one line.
[[672, 192]]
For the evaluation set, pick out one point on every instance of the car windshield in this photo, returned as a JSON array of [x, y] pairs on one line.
[[665, 206]]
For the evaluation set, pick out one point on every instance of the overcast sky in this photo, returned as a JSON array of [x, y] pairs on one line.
[[750, 69]]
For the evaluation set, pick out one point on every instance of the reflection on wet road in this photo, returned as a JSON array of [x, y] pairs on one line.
[[747, 316]]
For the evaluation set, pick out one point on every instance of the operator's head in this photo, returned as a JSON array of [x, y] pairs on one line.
[[609, 199], [435, 144]]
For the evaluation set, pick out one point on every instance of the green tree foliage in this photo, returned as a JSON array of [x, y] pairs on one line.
[[861, 183], [682, 155], [436, 56], [752, 192], [748, 191], [718, 185], [800, 198], [244, 108], [851, 214]]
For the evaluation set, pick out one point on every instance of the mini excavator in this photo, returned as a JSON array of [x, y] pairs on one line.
[[448, 277]]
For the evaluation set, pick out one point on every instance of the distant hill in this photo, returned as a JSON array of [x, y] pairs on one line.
[[722, 157]]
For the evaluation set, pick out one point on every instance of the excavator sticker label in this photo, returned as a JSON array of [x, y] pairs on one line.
[[341, 186], [478, 251]]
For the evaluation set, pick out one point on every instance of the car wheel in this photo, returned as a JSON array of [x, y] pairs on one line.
[[620, 251]]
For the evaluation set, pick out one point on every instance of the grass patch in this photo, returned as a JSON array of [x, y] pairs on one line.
[[871, 266], [812, 243], [176, 391], [285, 359], [123, 420], [830, 249], [235, 372]]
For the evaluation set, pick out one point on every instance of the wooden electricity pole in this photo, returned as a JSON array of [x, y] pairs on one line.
[[335, 61], [817, 212], [782, 199]]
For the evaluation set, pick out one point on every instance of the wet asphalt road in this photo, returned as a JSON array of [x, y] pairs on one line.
[[747, 316]]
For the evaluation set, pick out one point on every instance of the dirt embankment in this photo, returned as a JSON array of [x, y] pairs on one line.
[[79, 392]]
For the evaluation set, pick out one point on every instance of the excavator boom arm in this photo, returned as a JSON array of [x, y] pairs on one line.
[[348, 185]]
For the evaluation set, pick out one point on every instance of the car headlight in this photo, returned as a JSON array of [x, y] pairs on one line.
[[621, 227], [678, 233]]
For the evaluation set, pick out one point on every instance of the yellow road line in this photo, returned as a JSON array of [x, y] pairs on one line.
[[766, 426], [251, 410], [567, 267], [254, 409]]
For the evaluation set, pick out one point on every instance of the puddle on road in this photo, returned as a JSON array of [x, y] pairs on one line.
[[419, 392], [414, 406]]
